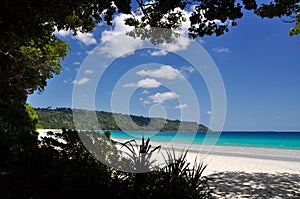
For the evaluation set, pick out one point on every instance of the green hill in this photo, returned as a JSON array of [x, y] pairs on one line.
[[63, 117]]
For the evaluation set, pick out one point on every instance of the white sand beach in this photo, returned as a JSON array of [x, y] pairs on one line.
[[232, 158], [238, 159], [244, 159], [244, 172]]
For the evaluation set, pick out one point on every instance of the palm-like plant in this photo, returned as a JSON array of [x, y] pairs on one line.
[[181, 180], [177, 179], [141, 159]]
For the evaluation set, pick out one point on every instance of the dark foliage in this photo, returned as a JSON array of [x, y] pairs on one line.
[[59, 166]]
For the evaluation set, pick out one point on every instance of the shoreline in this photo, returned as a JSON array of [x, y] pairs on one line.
[[227, 150], [215, 144], [244, 172], [238, 159], [231, 158]]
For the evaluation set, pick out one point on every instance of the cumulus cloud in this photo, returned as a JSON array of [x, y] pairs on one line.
[[128, 85], [145, 92], [145, 102], [158, 53], [63, 33], [144, 83], [81, 81], [181, 43], [120, 46], [116, 43], [190, 69], [126, 45], [161, 97], [164, 72], [85, 38], [221, 50], [181, 106], [148, 83], [89, 71]]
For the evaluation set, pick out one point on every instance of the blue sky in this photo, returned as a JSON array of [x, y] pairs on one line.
[[257, 61]]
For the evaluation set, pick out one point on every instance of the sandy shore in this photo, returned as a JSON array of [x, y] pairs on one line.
[[244, 172], [231, 158], [245, 159], [238, 159]]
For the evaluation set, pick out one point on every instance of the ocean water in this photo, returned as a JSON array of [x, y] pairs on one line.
[[280, 140]]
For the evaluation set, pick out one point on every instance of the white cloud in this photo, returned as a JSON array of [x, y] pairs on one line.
[[148, 83], [81, 81], [164, 72], [63, 33], [221, 50], [65, 81], [116, 44], [120, 46], [119, 27], [144, 83], [161, 52], [129, 85], [145, 92], [161, 97], [76, 63], [190, 69], [85, 38], [181, 106], [146, 102], [181, 43], [126, 45], [89, 71], [208, 112]]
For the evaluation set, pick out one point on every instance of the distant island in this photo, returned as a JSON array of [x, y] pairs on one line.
[[63, 118]]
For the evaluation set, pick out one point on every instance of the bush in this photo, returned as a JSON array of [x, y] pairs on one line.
[[175, 180], [62, 167]]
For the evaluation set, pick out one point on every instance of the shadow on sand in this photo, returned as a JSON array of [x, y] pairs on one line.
[[255, 185]]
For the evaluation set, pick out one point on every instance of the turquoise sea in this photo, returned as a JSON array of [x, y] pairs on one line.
[[281, 140]]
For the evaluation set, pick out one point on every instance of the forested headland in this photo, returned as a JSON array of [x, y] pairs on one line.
[[59, 118]]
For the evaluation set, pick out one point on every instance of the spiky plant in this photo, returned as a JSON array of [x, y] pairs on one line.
[[141, 159], [183, 181], [177, 179]]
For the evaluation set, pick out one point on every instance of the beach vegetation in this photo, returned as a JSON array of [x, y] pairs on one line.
[[176, 178], [31, 54], [142, 158], [187, 181], [61, 166]]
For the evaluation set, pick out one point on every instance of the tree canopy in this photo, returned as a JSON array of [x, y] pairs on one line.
[[30, 53], [63, 118]]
